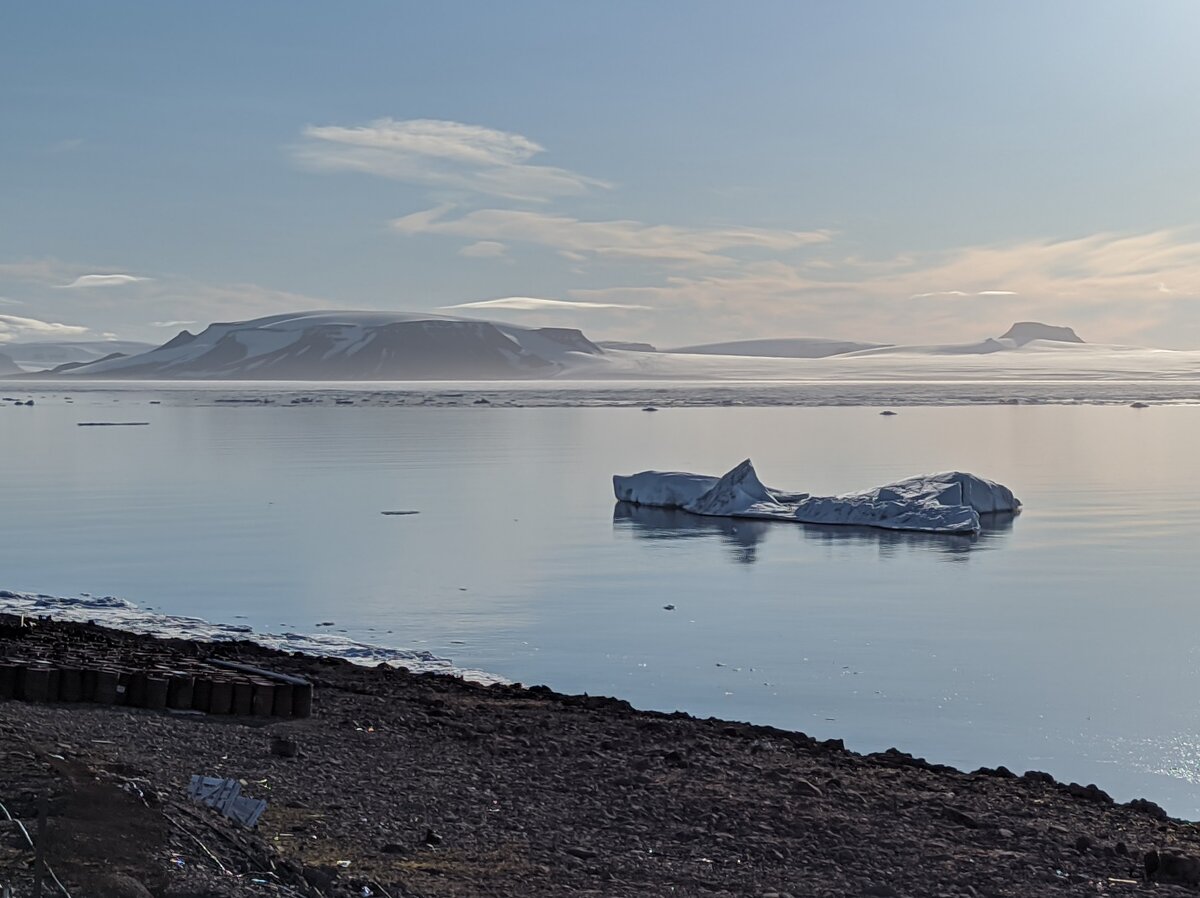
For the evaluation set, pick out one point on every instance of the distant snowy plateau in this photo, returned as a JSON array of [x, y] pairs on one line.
[[380, 346], [949, 502]]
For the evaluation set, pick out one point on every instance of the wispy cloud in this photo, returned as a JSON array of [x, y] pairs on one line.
[[103, 298], [37, 271], [1097, 266], [484, 249], [441, 154], [192, 302], [1106, 282], [104, 280], [533, 304], [15, 328], [66, 145], [964, 293], [623, 239]]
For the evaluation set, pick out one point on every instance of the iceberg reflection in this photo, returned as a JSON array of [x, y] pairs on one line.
[[649, 522], [743, 536]]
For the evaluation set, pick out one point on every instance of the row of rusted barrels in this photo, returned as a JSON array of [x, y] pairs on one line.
[[156, 688], [60, 650]]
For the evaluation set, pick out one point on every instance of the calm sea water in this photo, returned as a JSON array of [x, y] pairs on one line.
[[1066, 641]]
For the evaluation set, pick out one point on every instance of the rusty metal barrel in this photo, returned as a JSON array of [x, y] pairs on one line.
[[221, 697], [37, 684], [155, 697], [124, 687], [263, 699], [302, 697], [283, 700], [107, 683], [70, 684], [69, 668], [179, 691], [202, 694], [243, 698], [87, 683], [8, 679], [135, 694]]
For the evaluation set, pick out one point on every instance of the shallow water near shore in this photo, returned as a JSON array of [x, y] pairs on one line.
[[1064, 640]]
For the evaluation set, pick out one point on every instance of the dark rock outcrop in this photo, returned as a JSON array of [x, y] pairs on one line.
[[1025, 331]]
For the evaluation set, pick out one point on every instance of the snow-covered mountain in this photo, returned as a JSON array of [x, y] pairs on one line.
[[626, 345], [1020, 335], [8, 366], [365, 346], [355, 346], [1015, 337], [1026, 331], [779, 348], [45, 354]]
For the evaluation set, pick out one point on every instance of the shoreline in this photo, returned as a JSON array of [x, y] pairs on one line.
[[430, 785], [627, 394]]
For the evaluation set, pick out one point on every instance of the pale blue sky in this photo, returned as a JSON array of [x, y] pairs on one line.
[[738, 170]]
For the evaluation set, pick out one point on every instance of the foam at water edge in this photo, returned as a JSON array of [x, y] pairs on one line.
[[120, 614]]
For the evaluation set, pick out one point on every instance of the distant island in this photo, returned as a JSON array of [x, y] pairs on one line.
[[1026, 331], [46, 354], [348, 346], [781, 348], [385, 346]]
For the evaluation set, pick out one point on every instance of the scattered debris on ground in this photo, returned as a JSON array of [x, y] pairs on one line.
[[402, 784]]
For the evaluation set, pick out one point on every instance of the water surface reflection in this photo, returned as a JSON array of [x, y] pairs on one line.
[[743, 536]]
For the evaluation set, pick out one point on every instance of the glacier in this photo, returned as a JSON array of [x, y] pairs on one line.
[[947, 502]]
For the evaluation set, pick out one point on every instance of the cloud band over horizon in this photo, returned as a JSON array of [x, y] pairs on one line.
[[534, 304]]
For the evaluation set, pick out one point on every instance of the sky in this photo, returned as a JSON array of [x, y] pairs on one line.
[[669, 172]]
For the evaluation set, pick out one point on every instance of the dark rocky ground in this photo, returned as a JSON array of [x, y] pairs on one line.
[[428, 786]]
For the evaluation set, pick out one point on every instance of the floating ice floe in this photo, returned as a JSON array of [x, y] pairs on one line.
[[949, 502]]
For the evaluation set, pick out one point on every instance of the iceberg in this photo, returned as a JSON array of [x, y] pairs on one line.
[[948, 502]]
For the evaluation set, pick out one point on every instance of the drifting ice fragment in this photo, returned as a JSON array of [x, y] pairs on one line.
[[949, 502]]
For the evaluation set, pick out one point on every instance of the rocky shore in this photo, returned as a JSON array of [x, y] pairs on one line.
[[420, 785]]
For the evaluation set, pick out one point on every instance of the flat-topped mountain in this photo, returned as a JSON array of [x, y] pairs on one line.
[[1015, 337], [366, 346], [626, 345], [353, 346], [1026, 331]]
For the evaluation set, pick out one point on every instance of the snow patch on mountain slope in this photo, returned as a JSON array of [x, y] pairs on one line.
[[356, 346]]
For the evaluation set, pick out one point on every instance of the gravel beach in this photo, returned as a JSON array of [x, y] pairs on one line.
[[425, 785]]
